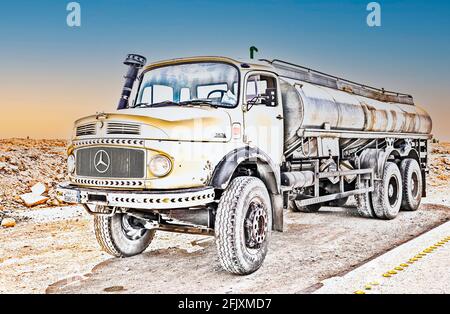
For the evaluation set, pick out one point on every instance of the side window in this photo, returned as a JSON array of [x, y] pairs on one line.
[[258, 85]]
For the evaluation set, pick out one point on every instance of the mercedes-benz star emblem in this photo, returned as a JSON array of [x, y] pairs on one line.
[[102, 161]]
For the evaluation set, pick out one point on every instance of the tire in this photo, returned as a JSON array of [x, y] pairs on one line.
[[121, 235], [306, 209], [387, 194], [363, 201], [412, 184], [243, 225]]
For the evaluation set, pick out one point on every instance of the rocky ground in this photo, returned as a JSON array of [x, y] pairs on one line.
[[25, 162], [439, 166], [53, 249]]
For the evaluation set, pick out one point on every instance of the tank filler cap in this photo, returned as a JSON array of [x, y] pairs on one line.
[[135, 60]]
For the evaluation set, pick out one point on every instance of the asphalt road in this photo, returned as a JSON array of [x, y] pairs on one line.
[[420, 266]]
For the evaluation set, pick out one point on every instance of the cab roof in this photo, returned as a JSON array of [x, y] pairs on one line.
[[241, 64]]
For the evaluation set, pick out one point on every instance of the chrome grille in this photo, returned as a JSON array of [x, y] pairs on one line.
[[86, 129], [123, 128], [110, 162]]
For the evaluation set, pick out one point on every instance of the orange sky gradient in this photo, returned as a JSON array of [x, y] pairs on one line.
[[47, 107]]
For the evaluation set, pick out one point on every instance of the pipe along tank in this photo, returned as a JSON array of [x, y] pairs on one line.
[[312, 99]]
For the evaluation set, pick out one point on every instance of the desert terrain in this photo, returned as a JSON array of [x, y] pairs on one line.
[[51, 247]]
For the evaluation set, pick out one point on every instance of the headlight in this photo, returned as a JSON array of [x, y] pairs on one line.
[[71, 164], [160, 165]]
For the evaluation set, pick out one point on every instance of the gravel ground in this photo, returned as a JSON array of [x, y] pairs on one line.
[[314, 247]]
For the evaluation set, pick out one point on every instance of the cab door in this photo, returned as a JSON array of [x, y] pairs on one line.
[[263, 114]]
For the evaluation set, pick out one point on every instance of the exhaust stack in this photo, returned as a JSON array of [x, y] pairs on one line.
[[134, 63]]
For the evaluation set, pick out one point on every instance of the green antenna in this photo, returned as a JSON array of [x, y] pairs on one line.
[[253, 49]]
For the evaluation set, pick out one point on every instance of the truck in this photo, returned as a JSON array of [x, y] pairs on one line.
[[221, 147]]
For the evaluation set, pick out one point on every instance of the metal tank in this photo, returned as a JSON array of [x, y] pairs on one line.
[[313, 100]]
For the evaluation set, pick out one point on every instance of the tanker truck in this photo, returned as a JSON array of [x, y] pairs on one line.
[[220, 147]]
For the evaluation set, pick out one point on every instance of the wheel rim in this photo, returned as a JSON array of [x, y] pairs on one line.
[[393, 191], [256, 224], [132, 228]]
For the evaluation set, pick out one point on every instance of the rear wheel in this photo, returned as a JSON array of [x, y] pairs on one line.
[[121, 235], [243, 225], [412, 184], [363, 201], [387, 194]]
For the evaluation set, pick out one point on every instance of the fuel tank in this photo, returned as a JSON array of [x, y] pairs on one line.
[[311, 106]]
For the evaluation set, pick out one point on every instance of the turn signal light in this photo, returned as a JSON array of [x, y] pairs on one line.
[[236, 131]]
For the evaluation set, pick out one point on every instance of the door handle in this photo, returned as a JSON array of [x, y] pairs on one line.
[[280, 117]]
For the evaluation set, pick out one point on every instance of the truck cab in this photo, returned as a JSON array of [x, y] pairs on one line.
[[162, 161]]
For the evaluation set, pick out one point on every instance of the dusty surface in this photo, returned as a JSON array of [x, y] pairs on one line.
[[64, 255], [54, 250], [315, 247]]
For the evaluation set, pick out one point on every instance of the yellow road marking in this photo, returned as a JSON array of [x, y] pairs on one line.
[[402, 266], [392, 272]]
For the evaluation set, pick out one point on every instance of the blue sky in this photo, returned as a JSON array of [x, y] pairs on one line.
[[410, 52]]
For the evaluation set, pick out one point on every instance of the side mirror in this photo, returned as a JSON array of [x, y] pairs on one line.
[[270, 97]]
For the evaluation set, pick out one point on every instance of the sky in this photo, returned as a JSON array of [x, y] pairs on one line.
[[51, 74]]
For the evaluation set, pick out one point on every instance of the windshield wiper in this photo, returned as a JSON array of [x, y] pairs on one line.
[[158, 104], [193, 102], [142, 104], [206, 102]]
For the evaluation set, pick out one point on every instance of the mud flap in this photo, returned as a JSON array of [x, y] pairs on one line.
[[277, 212]]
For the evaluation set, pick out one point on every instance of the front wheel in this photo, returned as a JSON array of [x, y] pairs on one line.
[[121, 235], [243, 225]]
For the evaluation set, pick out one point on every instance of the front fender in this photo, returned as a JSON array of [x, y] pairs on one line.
[[225, 169], [268, 172]]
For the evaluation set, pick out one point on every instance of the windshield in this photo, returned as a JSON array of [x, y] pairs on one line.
[[214, 84]]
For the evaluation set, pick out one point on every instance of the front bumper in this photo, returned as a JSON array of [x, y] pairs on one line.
[[183, 198]]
